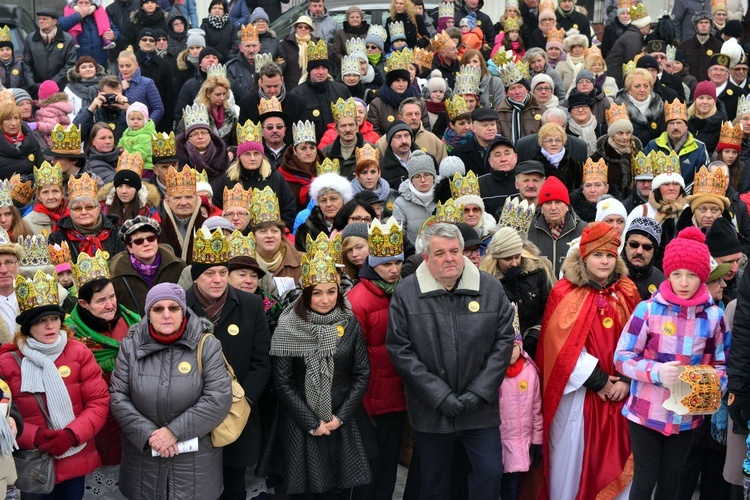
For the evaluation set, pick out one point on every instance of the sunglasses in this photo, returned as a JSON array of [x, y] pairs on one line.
[[139, 241], [278, 126], [88, 208], [646, 246], [160, 309], [148, 39], [372, 47]]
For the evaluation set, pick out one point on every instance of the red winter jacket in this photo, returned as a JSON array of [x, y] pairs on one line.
[[385, 393], [88, 393]]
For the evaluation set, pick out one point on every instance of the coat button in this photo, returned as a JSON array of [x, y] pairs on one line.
[[165, 383]]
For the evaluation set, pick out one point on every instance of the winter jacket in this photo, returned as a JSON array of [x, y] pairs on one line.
[[623, 51], [471, 153], [318, 101], [528, 148], [531, 117], [214, 165], [139, 141], [496, 187], [112, 244], [80, 93], [241, 75], [599, 106], [325, 26], [391, 168], [612, 31], [157, 69], [188, 93], [693, 156], [569, 170], [149, 391], [696, 55], [646, 127], [250, 179], [491, 91], [647, 278], [338, 47], [88, 395], [119, 16], [53, 111], [12, 75], [112, 116], [239, 14], [707, 130], [185, 71], [269, 44], [555, 250], [366, 131], [574, 20], [442, 343], [290, 52], [447, 70], [730, 96], [483, 20], [313, 226], [619, 169], [416, 36], [38, 222], [410, 211], [223, 40], [140, 20], [143, 90], [521, 412], [48, 62], [91, 44], [682, 16], [348, 166], [19, 159]]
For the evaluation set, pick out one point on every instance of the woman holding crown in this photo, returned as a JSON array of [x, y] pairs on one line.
[[44, 358], [320, 371]]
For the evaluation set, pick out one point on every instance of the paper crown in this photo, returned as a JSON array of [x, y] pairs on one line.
[[237, 197], [731, 135], [66, 140], [399, 60], [676, 110], [59, 254], [35, 253], [396, 29], [446, 9], [6, 96], [743, 105], [130, 161], [467, 80], [322, 243], [328, 166], [367, 152], [163, 145], [456, 106], [180, 183], [197, 114], [385, 240], [21, 191], [317, 51], [547, 5], [201, 176], [241, 246], [216, 70], [592, 51], [555, 35], [671, 53], [303, 132], [90, 268], [624, 4], [423, 57], [638, 12], [250, 132], [523, 68], [666, 163], [628, 68], [449, 212], [512, 24], [714, 4], [517, 214], [502, 56], [264, 207], [355, 46], [261, 60], [643, 164], [464, 185], [319, 268], [349, 66], [248, 33], [344, 109], [616, 112], [6, 198], [595, 171], [82, 187], [510, 74], [710, 183], [702, 386], [39, 291], [377, 30], [272, 105], [5, 34], [511, 3], [441, 41], [210, 248]]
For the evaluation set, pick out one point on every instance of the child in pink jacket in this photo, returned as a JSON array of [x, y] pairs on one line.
[[54, 107]]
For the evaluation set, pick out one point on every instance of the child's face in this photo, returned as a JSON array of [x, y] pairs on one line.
[[684, 283], [135, 120], [464, 29], [513, 36], [6, 53], [398, 44], [437, 95], [65, 279]]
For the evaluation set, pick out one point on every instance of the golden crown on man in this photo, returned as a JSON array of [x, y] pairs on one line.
[[441, 41], [249, 33], [181, 183], [676, 110], [163, 145], [210, 248], [643, 164], [344, 108], [423, 57]]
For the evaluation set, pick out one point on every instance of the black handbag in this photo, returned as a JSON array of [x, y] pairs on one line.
[[35, 468]]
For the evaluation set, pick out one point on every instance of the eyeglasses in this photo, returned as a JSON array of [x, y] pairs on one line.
[[553, 141], [139, 241], [199, 133], [278, 126], [360, 219], [303, 26], [422, 177], [472, 210], [236, 215], [713, 210], [469, 251], [81, 208], [8, 263], [171, 309], [635, 245], [543, 88], [148, 39], [371, 46]]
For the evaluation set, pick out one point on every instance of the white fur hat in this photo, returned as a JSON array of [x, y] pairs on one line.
[[334, 182]]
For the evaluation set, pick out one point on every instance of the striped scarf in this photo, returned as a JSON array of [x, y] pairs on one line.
[[211, 308], [517, 107]]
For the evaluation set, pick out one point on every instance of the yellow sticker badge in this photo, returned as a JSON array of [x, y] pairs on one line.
[[4, 387], [31, 157], [651, 288], [523, 385], [233, 329], [668, 328], [15, 72], [60, 45], [64, 371], [654, 125], [316, 112], [184, 367], [473, 306], [340, 331], [709, 52], [730, 92], [607, 322], [537, 117]]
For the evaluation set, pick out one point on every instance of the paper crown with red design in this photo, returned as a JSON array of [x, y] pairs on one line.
[[82, 187], [180, 183], [709, 187], [730, 136]]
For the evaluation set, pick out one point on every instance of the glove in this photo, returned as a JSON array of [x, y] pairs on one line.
[[739, 409], [535, 453], [470, 400], [451, 406], [42, 437], [63, 441]]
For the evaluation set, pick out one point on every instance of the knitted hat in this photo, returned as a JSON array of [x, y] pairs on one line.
[[166, 291], [437, 82], [647, 62], [579, 99], [469, 21], [160, 33], [217, 222], [21, 95], [732, 29], [645, 226], [204, 187], [599, 237], [358, 229], [331, 181], [450, 165], [722, 239], [705, 88], [585, 74], [208, 51], [139, 223], [196, 38], [622, 124], [375, 40], [505, 243], [140, 107], [542, 77], [420, 162], [553, 190], [610, 206], [394, 127], [352, 9], [128, 177], [687, 251], [146, 32], [250, 146], [259, 13], [547, 14], [47, 88]]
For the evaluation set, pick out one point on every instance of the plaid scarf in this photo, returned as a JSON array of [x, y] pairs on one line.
[[557, 230], [89, 243], [211, 308], [677, 146]]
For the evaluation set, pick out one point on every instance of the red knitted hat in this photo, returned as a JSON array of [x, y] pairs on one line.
[[599, 237], [688, 251], [553, 190], [705, 88]]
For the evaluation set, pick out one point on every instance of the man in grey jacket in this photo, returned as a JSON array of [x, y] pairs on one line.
[[324, 26], [49, 53], [682, 16]]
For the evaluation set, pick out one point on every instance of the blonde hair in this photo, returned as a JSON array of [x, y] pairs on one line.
[[549, 129], [128, 54], [9, 110], [693, 112], [349, 242], [639, 73], [209, 85], [233, 172], [411, 11], [590, 60]]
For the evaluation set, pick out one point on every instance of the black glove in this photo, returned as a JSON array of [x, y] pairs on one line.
[[470, 400], [739, 409], [451, 406], [535, 453]]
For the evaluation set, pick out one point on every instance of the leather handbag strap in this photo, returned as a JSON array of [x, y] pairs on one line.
[[132, 296], [36, 394]]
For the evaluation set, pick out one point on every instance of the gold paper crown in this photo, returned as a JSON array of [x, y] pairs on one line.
[[676, 110], [624, 4], [248, 33], [216, 70], [249, 132], [82, 187], [396, 29], [423, 57], [130, 161], [378, 31], [731, 135], [35, 252], [449, 212], [6, 198], [671, 53], [201, 176], [710, 183], [555, 35], [241, 246], [90, 268], [318, 269], [317, 51], [502, 56], [303, 132], [510, 74], [512, 24], [272, 105], [523, 68], [367, 152], [595, 171], [48, 175], [237, 197], [163, 145], [705, 396], [643, 164], [638, 12], [386, 240], [66, 140], [617, 112], [517, 214], [37, 292], [714, 4], [59, 254], [628, 68], [743, 105], [349, 66], [328, 166], [344, 109], [6, 96], [464, 185], [666, 163], [261, 60], [264, 207], [355, 46], [399, 60], [322, 243], [197, 114], [441, 41], [456, 106], [547, 5], [210, 248], [180, 183], [467, 80], [446, 9], [22, 192], [592, 51], [5, 34]]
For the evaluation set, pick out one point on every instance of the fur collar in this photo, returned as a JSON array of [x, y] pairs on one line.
[[467, 285], [574, 269], [529, 264], [75, 77]]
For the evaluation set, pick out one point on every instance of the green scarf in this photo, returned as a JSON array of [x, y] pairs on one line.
[[105, 348], [388, 288], [374, 58]]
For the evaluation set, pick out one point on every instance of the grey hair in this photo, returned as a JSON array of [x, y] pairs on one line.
[[532, 53], [441, 230], [554, 112]]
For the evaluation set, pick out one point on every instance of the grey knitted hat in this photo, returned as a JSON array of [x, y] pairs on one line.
[[420, 162], [355, 229], [646, 226], [196, 38], [450, 165], [166, 291]]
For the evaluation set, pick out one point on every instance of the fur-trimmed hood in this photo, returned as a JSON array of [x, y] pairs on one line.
[[574, 269], [75, 77], [147, 195], [55, 98], [182, 62], [530, 263]]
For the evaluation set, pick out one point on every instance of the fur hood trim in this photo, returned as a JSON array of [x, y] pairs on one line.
[[182, 63], [55, 98], [574, 269], [75, 77]]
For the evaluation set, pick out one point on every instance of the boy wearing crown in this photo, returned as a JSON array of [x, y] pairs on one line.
[[349, 138]]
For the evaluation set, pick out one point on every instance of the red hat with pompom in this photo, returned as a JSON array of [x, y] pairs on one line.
[[688, 251]]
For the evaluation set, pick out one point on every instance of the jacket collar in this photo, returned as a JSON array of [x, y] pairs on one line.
[[468, 284], [691, 145], [147, 345]]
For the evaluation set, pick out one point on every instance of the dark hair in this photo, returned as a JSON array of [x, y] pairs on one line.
[[87, 291], [86, 59], [270, 70], [218, 2], [302, 306], [342, 217], [508, 44], [125, 213], [110, 81], [95, 130], [658, 197]]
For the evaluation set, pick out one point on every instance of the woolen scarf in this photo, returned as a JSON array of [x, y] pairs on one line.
[[147, 271], [302, 42], [425, 198], [517, 107], [91, 240], [453, 140], [666, 209], [280, 97], [391, 98], [554, 159], [218, 22], [586, 132], [54, 217], [211, 308], [623, 151], [89, 330], [39, 375], [368, 273]]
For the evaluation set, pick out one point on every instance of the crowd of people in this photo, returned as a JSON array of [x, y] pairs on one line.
[[491, 250]]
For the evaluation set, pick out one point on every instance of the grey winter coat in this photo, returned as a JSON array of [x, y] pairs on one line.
[[682, 16], [324, 27], [491, 91], [410, 211], [156, 385], [555, 250]]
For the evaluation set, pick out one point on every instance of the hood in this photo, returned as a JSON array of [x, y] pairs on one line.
[[75, 77], [529, 264], [57, 98], [574, 269]]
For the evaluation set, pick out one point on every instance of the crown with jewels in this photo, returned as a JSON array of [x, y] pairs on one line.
[[616, 112], [317, 51], [547, 5], [210, 248], [396, 29], [423, 57], [201, 176], [666, 163], [250, 132], [318, 269], [272, 105], [261, 60], [517, 214], [710, 183], [163, 145], [592, 51], [512, 24], [248, 33], [441, 41], [456, 106], [21, 191], [82, 187], [555, 35], [130, 161], [510, 74], [216, 70], [90, 268], [511, 3], [5, 34], [449, 212], [180, 183], [48, 175], [624, 4], [716, 3], [350, 65], [731, 135], [638, 12], [523, 68], [39, 291], [329, 166], [303, 132], [264, 207], [386, 240], [377, 30], [595, 171], [704, 396], [399, 60], [367, 152], [197, 114], [355, 46], [59, 254], [502, 56], [35, 252], [628, 68], [467, 80], [240, 245], [643, 164], [446, 9], [322, 243], [344, 108], [671, 53], [237, 197], [743, 105], [462, 185], [6, 198], [676, 110], [66, 140], [6, 96]]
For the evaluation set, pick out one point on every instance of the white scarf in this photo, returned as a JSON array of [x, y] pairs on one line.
[[587, 132], [425, 198], [642, 106], [554, 159]]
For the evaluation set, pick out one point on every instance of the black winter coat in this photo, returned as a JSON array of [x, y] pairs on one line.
[[697, 57], [708, 129], [313, 226], [139, 20], [569, 170], [251, 179], [119, 15], [348, 166], [20, 158], [470, 153], [647, 279], [496, 187], [318, 98], [241, 75], [48, 62], [290, 53], [623, 51], [269, 44], [113, 244], [223, 40], [574, 20], [159, 71], [188, 93], [612, 32], [646, 127], [416, 36], [619, 169], [391, 169], [738, 367]]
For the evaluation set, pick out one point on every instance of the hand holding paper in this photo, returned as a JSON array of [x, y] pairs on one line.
[[668, 372]]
